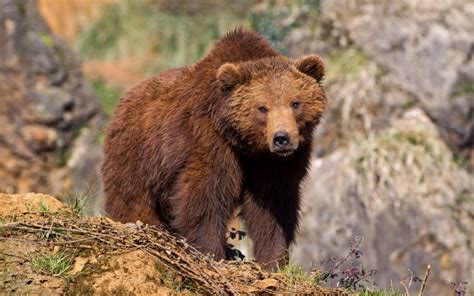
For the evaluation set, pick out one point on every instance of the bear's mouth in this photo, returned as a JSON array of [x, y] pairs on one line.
[[284, 153]]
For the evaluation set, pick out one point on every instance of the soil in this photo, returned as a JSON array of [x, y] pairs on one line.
[[105, 257]]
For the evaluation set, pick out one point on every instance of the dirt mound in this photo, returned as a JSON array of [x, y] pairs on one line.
[[46, 246]]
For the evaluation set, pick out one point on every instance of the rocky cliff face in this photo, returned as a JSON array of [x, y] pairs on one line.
[[49, 115], [426, 48], [385, 173], [400, 192]]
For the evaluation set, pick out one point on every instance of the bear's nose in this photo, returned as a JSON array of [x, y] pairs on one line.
[[281, 140]]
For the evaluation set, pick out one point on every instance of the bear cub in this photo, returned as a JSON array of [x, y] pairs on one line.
[[188, 146]]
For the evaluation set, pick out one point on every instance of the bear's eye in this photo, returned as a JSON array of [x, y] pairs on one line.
[[263, 109], [295, 104]]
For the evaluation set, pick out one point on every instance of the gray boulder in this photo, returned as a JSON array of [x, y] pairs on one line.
[[50, 117], [426, 47], [399, 190]]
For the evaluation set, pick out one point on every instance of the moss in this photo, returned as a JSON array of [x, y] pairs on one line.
[[47, 39], [63, 157], [65, 153], [460, 160], [21, 6], [410, 104], [463, 89], [346, 62], [464, 198]]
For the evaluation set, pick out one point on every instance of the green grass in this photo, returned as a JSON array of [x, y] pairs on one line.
[[108, 96], [277, 21], [43, 208], [295, 274], [380, 293], [463, 89], [176, 37], [346, 62], [54, 265], [47, 39], [77, 204]]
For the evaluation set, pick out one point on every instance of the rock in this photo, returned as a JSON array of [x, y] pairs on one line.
[[402, 192], [50, 116], [426, 48]]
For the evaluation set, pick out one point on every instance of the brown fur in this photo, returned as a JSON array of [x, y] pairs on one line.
[[188, 146]]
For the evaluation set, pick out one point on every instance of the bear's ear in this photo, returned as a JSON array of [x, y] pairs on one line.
[[229, 76], [312, 66]]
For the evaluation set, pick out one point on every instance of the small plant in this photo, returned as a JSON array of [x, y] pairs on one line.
[[380, 293], [77, 203], [54, 265], [296, 274], [43, 208], [108, 96], [459, 288], [348, 272], [29, 206], [277, 21]]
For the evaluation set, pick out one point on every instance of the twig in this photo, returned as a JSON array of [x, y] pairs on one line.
[[351, 251], [175, 254], [425, 278]]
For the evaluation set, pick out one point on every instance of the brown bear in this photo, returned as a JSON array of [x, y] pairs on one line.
[[189, 145]]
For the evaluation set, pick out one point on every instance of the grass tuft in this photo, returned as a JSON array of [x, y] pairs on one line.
[[54, 265], [380, 293], [77, 204], [43, 208], [295, 274]]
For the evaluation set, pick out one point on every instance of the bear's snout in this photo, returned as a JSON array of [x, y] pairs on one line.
[[284, 138], [283, 143], [281, 140]]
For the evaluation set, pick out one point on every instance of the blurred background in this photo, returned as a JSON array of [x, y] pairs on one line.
[[393, 161]]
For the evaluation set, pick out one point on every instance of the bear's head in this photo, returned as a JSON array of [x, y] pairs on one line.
[[270, 105]]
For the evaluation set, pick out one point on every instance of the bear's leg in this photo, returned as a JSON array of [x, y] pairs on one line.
[[203, 204], [271, 224]]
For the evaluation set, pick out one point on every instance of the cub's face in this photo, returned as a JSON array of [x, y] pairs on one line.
[[272, 104]]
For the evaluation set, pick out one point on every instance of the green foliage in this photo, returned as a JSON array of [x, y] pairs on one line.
[[63, 157], [77, 204], [410, 104], [295, 274], [134, 28], [463, 89], [184, 39], [108, 96], [123, 30], [265, 23], [54, 265], [346, 62], [43, 208], [276, 22], [380, 293], [47, 39], [21, 6]]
